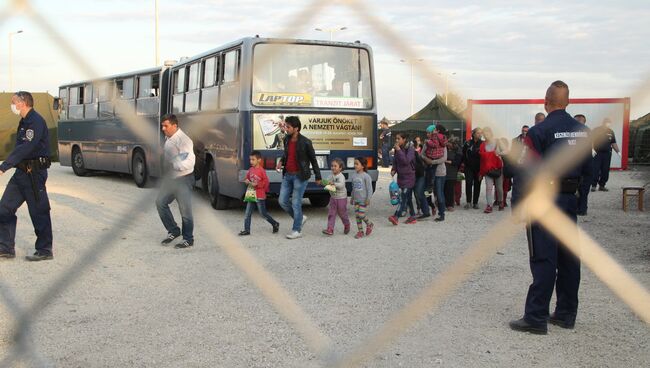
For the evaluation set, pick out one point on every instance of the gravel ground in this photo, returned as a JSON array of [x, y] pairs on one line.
[[143, 305]]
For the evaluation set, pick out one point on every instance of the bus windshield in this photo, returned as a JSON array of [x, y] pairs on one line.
[[320, 76]]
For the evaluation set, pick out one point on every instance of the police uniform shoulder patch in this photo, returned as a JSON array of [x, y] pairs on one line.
[[29, 134]]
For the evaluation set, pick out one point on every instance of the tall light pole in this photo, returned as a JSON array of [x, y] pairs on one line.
[[156, 21], [11, 62], [331, 30], [411, 62], [447, 84]]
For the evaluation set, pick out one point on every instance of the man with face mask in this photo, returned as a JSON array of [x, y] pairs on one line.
[[604, 142], [31, 158]]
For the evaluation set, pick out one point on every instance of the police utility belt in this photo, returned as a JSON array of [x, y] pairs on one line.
[[567, 186], [41, 163]]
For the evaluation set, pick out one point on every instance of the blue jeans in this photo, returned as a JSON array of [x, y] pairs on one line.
[[18, 191], [291, 193], [385, 155], [406, 200], [261, 207], [439, 184], [179, 189], [420, 184]]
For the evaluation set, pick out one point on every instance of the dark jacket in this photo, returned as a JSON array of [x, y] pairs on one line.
[[32, 141], [452, 169], [471, 156], [304, 154], [404, 166]]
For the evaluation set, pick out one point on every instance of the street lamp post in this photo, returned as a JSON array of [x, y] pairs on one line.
[[447, 85], [156, 33], [331, 30], [11, 63], [411, 62]]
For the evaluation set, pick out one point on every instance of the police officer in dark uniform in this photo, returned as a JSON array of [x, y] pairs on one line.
[[31, 158], [583, 191], [552, 265]]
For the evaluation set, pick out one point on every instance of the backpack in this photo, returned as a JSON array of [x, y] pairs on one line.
[[394, 193]]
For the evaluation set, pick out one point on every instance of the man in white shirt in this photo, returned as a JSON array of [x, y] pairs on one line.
[[178, 184]]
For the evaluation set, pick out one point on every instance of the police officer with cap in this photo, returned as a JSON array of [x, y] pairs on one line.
[[552, 265], [31, 158]]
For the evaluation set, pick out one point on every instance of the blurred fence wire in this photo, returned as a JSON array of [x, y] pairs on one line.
[[538, 206]]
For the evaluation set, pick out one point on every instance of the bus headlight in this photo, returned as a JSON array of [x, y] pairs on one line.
[[322, 161], [350, 162]]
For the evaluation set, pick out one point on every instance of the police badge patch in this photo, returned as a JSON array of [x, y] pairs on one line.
[[29, 134]]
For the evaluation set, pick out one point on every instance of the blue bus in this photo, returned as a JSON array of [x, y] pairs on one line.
[[231, 100]]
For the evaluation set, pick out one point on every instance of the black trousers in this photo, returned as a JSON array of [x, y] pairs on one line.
[[18, 191], [553, 267], [602, 162], [472, 186], [450, 186]]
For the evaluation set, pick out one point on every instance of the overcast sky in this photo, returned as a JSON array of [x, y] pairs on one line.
[[498, 49]]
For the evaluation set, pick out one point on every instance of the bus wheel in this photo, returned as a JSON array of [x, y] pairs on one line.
[[78, 165], [218, 201], [319, 200], [140, 171]]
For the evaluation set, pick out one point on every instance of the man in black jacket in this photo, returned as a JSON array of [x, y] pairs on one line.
[[298, 155], [472, 162]]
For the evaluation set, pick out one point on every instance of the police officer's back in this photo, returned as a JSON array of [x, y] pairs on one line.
[[553, 266], [31, 158]]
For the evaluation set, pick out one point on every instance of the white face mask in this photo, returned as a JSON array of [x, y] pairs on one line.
[[14, 109]]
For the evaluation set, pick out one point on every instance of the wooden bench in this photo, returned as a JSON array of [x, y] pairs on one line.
[[632, 192]]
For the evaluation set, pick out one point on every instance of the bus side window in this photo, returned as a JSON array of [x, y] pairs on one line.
[[229, 91], [230, 66], [147, 102], [90, 109], [192, 95], [210, 91], [179, 90], [76, 109], [105, 97], [63, 95]]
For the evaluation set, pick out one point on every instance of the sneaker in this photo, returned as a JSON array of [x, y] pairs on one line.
[[39, 257], [185, 244], [393, 220], [7, 255], [346, 230], [294, 235], [244, 233], [411, 220], [328, 232], [593, 189], [359, 235], [501, 208], [450, 209], [468, 206], [369, 228], [603, 189], [496, 203], [439, 219], [423, 216], [276, 227], [304, 220], [170, 238], [488, 209], [475, 206]]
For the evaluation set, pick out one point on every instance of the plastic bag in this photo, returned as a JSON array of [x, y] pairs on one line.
[[251, 194], [394, 192], [330, 188]]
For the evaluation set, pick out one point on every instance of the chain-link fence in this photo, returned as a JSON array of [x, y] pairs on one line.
[[537, 206]]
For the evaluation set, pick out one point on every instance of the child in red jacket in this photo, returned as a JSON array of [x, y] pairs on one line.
[[256, 177]]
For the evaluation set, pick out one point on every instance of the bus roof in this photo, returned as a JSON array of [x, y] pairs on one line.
[[115, 76], [256, 40]]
